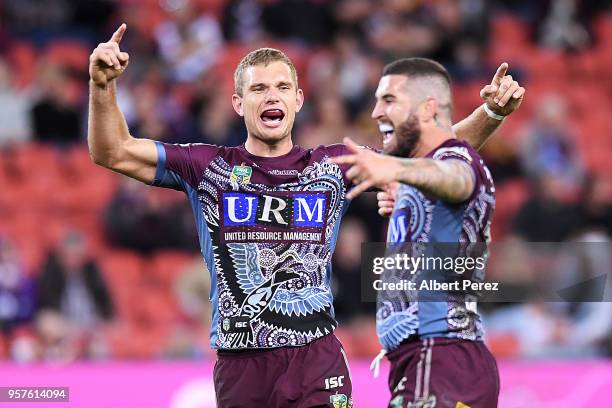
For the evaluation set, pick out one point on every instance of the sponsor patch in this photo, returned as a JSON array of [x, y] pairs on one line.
[[237, 324], [338, 400], [241, 174]]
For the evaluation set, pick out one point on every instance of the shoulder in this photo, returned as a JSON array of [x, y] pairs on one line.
[[194, 148], [333, 150], [456, 149], [190, 152]]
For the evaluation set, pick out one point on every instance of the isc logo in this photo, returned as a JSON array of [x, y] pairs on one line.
[[334, 382], [295, 210]]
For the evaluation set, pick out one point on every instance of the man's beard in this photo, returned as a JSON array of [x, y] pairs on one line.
[[407, 137]]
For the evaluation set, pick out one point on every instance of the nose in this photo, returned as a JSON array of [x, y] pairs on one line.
[[272, 96], [377, 113]]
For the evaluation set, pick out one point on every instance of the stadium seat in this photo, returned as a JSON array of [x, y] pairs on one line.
[[509, 198], [3, 347], [503, 346], [68, 53], [166, 266], [123, 273], [23, 58], [512, 35]]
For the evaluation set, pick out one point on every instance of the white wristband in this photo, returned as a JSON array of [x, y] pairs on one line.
[[492, 114]]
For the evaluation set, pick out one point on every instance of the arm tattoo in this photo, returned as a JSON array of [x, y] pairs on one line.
[[449, 180]]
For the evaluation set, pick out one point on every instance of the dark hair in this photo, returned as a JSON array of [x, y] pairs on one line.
[[261, 56], [417, 67]]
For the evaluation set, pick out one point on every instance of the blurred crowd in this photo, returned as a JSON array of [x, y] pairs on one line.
[[119, 274]]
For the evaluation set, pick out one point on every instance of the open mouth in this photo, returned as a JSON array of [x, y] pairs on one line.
[[272, 117], [387, 131]]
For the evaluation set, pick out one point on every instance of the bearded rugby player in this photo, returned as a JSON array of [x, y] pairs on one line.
[[433, 339]]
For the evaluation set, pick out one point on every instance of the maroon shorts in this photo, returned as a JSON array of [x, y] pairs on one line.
[[443, 373], [314, 375]]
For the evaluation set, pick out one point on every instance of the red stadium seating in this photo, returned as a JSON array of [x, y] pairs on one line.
[[166, 266], [68, 53]]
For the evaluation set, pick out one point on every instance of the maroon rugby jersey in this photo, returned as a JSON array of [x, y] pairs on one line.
[[267, 228]]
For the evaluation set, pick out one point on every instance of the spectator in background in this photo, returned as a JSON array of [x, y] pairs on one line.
[[56, 117], [217, 123], [74, 302], [575, 271], [469, 54], [427, 29], [302, 21], [560, 25], [188, 42], [15, 106], [148, 118], [192, 291], [345, 71], [502, 159], [329, 125], [404, 28], [189, 338], [17, 292], [547, 216], [548, 145], [241, 21], [347, 272], [139, 218], [37, 17], [596, 207]]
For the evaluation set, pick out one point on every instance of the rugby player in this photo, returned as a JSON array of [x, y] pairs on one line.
[[267, 215], [446, 195]]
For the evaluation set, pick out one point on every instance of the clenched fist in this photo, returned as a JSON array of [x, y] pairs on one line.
[[107, 61]]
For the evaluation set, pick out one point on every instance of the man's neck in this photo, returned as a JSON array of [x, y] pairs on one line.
[[259, 148], [430, 139]]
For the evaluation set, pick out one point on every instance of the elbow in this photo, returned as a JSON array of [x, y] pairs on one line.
[[105, 159], [98, 158]]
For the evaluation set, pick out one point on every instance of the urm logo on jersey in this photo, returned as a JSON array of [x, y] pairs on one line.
[[274, 213]]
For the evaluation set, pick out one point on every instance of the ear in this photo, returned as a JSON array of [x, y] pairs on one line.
[[299, 101], [429, 109], [237, 104]]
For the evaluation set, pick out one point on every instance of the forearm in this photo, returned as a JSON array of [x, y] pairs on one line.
[[107, 129], [449, 180], [476, 128]]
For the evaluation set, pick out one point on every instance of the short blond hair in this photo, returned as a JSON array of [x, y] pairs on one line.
[[261, 56]]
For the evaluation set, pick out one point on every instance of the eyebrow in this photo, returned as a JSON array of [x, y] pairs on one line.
[[258, 85], [285, 83]]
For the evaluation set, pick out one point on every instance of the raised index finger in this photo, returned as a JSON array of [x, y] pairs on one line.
[[500, 74], [117, 35]]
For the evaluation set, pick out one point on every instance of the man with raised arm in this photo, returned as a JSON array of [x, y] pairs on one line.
[[443, 206], [267, 214]]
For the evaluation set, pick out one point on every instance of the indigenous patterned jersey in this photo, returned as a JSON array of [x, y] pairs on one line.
[[420, 219], [267, 228]]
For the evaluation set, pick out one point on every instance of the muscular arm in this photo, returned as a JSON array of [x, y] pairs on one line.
[[449, 180], [109, 140], [108, 137], [476, 128]]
